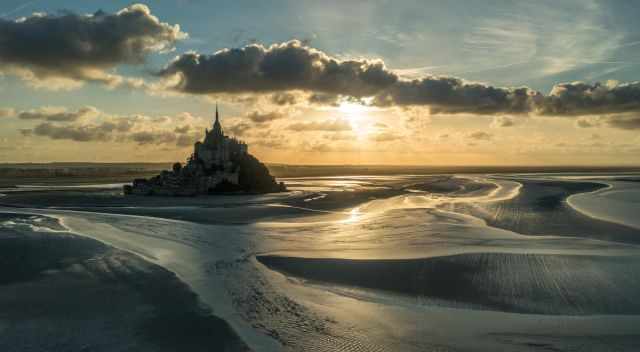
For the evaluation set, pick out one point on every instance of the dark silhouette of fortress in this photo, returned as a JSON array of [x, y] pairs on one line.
[[219, 164]]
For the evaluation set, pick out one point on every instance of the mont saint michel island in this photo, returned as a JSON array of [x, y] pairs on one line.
[[218, 164]]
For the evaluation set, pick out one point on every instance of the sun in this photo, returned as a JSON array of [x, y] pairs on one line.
[[356, 114], [352, 108]]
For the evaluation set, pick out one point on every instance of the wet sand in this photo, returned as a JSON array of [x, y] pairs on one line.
[[453, 186], [518, 283], [379, 303], [541, 209], [62, 292]]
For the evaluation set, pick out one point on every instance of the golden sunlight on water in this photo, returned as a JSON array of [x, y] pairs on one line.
[[354, 215]]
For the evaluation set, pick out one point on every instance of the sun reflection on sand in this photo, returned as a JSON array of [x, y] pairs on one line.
[[354, 215]]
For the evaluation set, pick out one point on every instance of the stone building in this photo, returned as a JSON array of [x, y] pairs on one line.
[[218, 150], [218, 164]]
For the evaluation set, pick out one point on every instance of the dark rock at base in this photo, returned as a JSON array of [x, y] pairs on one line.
[[226, 187], [254, 177], [249, 175]]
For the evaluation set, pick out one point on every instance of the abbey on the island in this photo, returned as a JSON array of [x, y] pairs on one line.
[[217, 150], [218, 164]]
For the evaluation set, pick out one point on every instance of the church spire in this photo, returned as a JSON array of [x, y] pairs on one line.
[[217, 128]]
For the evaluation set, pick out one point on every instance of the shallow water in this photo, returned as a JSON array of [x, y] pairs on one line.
[[469, 292]]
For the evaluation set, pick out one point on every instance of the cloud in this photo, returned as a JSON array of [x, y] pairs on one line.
[[327, 125], [261, 118], [119, 124], [188, 139], [324, 99], [72, 132], [280, 67], [586, 122], [578, 98], [238, 129], [449, 95], [70, 48], [153, 137], [272, 143], [283, 98], [95, 126], [294, 66], [503, 121], [623, 121], [385, 137], [318, 147], [480, 136], [57, 114], [117, 130], [182, 129], [70, 125], [340, 136]]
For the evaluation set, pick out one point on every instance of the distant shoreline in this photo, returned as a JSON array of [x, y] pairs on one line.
[[78, 172]]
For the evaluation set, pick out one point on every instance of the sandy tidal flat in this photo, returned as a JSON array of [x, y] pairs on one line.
[[63, 292], [388, 263]]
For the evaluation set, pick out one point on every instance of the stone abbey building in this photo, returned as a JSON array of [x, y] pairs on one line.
[[217, 150], [219, 164]]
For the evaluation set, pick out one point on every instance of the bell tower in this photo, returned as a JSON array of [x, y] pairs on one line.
[[217, 128]]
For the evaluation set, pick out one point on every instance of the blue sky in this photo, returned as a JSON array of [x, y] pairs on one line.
[[500, 43]]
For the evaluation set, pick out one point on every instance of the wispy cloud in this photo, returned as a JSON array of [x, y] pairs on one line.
[[550, 40], [17, 9]]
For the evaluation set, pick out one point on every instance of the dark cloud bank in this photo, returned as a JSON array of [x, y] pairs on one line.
[[78, 47], [294, 66], [280, 67]]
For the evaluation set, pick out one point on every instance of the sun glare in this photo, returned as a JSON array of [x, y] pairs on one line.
[[352, 108], [356, 114]]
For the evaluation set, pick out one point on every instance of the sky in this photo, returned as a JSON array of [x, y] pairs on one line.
[[323, 82]]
